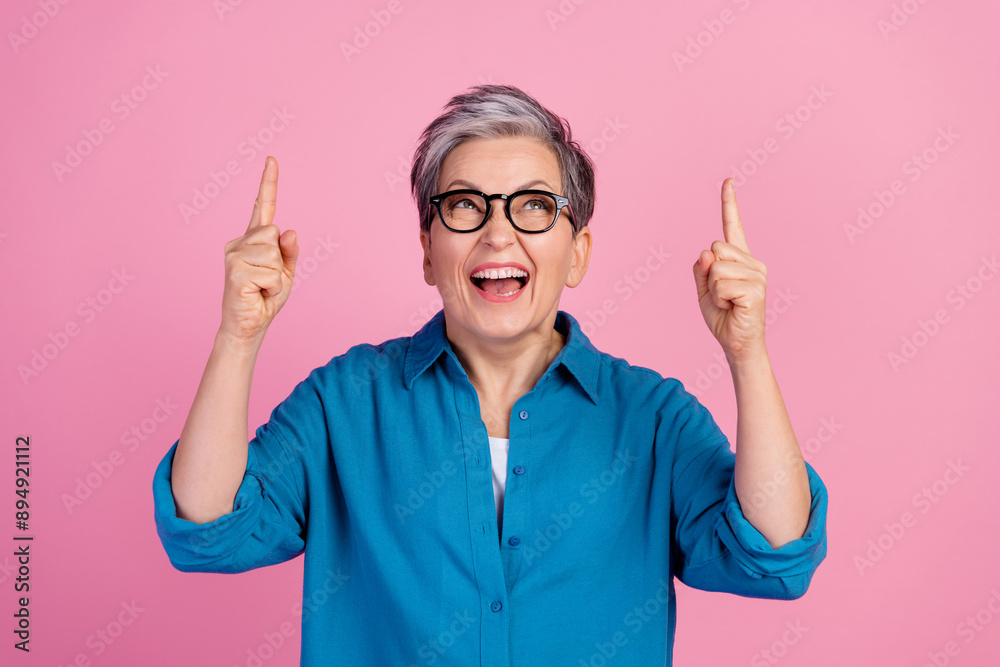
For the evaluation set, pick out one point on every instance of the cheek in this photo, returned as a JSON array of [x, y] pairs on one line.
[[448, 259], [554, 261]]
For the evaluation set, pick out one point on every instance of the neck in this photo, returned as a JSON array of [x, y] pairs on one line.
[[506, 368]]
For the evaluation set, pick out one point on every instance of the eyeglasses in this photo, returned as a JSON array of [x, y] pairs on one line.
[[530, 211]]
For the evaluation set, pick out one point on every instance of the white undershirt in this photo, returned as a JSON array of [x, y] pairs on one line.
[[498, 454]]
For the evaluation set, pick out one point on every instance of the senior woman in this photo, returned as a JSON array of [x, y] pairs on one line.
[[492, 490]]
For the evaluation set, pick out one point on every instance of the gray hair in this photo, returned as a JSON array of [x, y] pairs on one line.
[[491, 111]]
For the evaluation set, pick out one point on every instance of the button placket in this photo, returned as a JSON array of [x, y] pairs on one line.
[[489, 571]]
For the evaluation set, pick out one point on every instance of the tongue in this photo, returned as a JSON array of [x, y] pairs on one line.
[[499, 286]]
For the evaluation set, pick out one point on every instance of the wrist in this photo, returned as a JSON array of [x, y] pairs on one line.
[[230, 345], [749, 365]]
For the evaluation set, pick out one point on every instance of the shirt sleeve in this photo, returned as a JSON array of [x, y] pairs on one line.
[[268, 520], [717, 549]]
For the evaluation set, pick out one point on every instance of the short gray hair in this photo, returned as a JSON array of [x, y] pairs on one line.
[[491, 111]]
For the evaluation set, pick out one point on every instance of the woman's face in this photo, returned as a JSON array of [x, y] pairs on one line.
[[552, 259]]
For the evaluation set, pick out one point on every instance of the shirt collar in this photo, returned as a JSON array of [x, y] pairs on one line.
[[578, 355]]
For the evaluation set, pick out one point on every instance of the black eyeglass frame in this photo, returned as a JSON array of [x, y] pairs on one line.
[[561, 203]]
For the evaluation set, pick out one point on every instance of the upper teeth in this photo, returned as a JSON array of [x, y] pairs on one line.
[[504, 272]]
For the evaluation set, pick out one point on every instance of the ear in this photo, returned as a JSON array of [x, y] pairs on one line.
[[425, 243], [581, 257]]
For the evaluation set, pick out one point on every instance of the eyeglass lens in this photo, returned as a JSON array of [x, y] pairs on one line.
[[531, 212]]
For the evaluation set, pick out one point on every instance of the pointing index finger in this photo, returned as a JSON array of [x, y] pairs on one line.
[[732, 227], [267, 195]]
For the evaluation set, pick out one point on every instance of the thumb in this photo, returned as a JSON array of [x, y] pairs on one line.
[[701, 267], [288, 243]]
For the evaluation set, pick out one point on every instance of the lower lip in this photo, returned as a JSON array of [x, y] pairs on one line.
[[499, 299]]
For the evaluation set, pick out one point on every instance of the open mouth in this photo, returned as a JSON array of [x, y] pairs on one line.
[[505, 281]]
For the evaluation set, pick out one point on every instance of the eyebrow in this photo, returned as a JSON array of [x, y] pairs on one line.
[[527, 186]]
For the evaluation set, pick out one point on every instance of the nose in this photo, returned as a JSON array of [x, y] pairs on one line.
[[498, 232]]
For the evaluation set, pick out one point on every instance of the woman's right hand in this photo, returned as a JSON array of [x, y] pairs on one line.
[[260, 266]]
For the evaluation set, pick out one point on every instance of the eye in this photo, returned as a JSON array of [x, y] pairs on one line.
[[533, 204], [467, 204]]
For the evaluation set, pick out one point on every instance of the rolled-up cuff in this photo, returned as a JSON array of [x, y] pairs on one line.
[[193, 547], [755, 554]]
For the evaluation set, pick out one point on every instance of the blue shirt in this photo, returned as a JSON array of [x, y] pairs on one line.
[[377, 468]]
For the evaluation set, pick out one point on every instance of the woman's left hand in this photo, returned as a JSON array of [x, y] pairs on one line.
[[732, 287]]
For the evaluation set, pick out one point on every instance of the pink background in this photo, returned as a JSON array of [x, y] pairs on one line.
[[841, 303]]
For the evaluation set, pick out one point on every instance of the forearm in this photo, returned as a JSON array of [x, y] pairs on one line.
[[771, 479], [211, 456]]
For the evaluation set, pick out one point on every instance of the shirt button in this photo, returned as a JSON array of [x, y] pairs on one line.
[[523, 414], [518, 470], [514, 541], [496, 606]]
